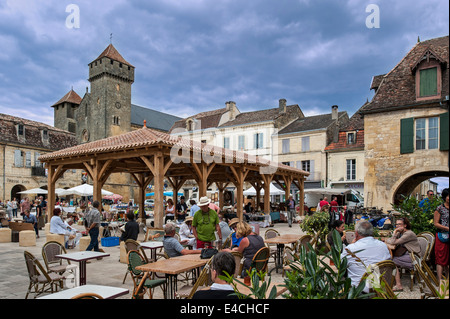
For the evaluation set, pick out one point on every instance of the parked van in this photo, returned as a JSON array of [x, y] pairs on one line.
[[346, 196]]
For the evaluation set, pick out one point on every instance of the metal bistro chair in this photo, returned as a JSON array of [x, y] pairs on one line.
[[203, 280], [135, 259], [40, 280], [53, 264]]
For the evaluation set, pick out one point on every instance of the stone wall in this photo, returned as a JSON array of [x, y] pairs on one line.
[[386, 168]]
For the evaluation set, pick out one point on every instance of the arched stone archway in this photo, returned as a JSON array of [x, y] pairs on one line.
[[406, 184], [15, 190]]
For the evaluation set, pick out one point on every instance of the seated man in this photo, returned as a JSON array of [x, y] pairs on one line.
[[366, 248], [222, 263], [172, 246]]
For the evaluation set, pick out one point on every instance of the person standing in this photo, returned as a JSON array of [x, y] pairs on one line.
[[14, 207], [170, 211], [441, 246], [131, 228], [334, 208], [290, 205], [205, 223], [194, 208], [181, 210], [92, 225]]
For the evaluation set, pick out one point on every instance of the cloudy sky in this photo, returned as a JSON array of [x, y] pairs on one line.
[[194, 55]]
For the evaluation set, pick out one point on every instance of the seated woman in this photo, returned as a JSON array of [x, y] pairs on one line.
[[339, 226], [249, 245], [405, 241], [186, 233]]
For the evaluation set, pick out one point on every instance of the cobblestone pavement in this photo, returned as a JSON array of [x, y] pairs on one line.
[[108, 271]]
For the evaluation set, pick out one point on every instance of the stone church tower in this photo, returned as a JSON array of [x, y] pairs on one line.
[[104, 111]]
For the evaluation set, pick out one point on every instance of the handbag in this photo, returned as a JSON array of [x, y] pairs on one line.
[[399, 251], [207, 253], [443, 236]]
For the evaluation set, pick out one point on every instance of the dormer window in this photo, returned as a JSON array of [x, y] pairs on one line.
[[190, 125], [427, 71], [45, 135], [20, 130], [351, 138]]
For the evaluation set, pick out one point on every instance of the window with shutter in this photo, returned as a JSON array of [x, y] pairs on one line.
[[443, 132], [305, 144], [18, 158], [407, 135], [428, 82], [285, 146], [241, 142], [28, 159]]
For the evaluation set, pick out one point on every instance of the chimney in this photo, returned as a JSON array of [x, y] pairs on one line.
[[282, 106], [334, 112], [231, 107]]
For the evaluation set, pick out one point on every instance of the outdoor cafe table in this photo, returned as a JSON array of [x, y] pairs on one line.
[[280, 241], [171, 268], [107, 292], [153, 246], [82, 257]]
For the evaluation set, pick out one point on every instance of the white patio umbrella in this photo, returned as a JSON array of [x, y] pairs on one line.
[[83, 190], [34, 191], [273, 191]]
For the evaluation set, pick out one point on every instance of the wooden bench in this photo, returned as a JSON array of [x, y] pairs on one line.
[[18, 226]]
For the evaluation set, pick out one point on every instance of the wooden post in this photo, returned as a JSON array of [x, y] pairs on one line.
[[158, 168], [51, 192], [221, 187], [267, 179], [239, 174]]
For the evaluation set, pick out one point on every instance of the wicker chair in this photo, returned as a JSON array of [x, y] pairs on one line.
[[52, 263], [87, 295], [204, 279], [288, 259], [136, 259], [428, 288], [424, 247], [238, 258], [303, 241], [131, 244], [40, 280], [387, 269], [431, 239], [227, 243], [260, 260], [272, 233]]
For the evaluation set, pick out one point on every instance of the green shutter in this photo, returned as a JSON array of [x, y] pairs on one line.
[[443, 133], [428, 82], [407, 135]]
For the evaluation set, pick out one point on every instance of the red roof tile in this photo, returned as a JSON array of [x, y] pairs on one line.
[[112, 53], [70, 97]]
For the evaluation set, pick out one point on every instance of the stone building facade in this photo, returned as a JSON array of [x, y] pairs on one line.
[[21, 143], [406, 124]]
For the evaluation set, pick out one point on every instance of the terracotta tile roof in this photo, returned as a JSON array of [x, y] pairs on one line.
[[112, 53], [397, 88], [342, 142], [57, 138], [71, 97], [145, 137]]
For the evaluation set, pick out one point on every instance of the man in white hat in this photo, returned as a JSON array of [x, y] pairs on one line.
[[205, 222]]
